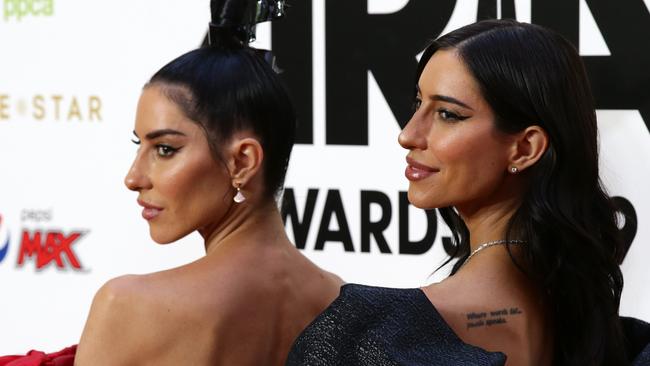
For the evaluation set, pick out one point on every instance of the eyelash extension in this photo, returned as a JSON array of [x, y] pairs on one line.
[[451, 115], [171, 150]]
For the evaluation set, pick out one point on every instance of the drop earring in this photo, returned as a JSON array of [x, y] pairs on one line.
[[239, 197]]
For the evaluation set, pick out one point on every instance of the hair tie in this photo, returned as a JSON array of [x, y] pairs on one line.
[[233, 21]]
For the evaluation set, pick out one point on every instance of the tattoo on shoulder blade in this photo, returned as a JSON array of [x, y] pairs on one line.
[[490, 318]]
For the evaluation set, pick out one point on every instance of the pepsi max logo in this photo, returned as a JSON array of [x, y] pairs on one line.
[[49, 247], [4, 239]]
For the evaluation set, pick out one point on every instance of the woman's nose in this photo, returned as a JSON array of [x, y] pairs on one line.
[[411, 136], [136, 179]]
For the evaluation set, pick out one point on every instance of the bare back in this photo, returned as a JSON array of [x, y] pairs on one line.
[[244, 306]]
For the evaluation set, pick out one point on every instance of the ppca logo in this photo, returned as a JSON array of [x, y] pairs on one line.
[[18, 9], [4, 239]]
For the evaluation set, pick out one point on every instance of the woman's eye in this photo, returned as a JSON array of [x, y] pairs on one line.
[[450, 116], [137, 142], [165, 150]]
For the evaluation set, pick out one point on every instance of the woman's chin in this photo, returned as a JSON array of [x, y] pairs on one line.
[[423, 200], [162, 238]]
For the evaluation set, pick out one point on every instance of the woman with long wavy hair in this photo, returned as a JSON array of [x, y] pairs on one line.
[[503, 141]]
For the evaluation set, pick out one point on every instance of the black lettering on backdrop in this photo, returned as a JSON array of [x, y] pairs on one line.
[[406, 246], [358, 42], [289, 210], [566, 22], [487, 9], [334, 207], [618, 81], [386, 45], [375, 229], [291, 40]]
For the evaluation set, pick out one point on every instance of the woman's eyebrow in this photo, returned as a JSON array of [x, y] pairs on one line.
[[448, 99], [158, 133]]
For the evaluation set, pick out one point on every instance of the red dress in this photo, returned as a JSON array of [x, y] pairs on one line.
[[65, 357]]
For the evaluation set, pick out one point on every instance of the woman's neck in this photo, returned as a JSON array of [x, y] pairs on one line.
[[488, 222], [253, 223]]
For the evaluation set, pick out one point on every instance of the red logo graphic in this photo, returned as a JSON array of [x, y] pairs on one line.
[[49, 247]]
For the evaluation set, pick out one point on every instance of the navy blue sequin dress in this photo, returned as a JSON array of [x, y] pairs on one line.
[[376, 326]]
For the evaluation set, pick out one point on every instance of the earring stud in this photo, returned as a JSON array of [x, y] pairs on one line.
[[514, 170]]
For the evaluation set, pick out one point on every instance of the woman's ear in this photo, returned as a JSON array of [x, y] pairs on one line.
[[529, 146], [245, 159]]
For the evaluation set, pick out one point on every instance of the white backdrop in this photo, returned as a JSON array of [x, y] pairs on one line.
[[70, 75]]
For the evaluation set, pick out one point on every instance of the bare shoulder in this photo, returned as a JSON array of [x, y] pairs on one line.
[[336, 279], [119, 317], [495, 319], [333, 280], [322, 285], [332, 286]]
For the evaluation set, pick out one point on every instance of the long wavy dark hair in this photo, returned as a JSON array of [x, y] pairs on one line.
[[530, 75]]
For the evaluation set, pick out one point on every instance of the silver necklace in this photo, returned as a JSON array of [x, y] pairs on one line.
[[490, 244]]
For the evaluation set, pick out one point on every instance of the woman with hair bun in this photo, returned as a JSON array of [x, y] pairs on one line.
[[503, 141], [214, 129]]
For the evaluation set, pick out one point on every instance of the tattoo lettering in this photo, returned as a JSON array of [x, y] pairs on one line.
[[490, 318]]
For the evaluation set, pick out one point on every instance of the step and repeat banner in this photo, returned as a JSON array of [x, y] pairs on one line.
[[71, 72]]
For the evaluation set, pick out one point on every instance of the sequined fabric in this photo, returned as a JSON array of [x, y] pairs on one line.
[[379, 326]]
